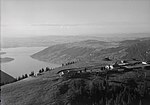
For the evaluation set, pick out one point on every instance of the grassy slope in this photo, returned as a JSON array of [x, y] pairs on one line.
[[5, 78], [36, 91], [41, 90], [31, 91]]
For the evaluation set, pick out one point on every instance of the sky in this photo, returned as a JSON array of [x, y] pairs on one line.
[[74, 17]]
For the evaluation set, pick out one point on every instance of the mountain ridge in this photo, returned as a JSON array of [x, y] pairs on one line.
[[94, 50]]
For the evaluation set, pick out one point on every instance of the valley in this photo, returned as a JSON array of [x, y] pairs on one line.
[[87, 74]]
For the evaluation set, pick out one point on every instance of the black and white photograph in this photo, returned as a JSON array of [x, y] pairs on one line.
[[75, 52]]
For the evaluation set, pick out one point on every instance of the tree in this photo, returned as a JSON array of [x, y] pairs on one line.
[[22, 77], [32, 73], [19, 78], [42, 70], [26, 76], [47, 69]]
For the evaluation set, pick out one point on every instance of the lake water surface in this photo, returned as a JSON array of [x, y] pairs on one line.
[[23, 63]]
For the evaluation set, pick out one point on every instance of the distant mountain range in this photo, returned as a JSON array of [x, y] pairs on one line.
[[96, 51], [45, 41]]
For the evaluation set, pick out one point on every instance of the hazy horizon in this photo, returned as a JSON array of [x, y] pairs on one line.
[[29, 18], [104, 35]]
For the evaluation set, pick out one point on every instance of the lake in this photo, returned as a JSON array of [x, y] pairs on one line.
[[23, 63]]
